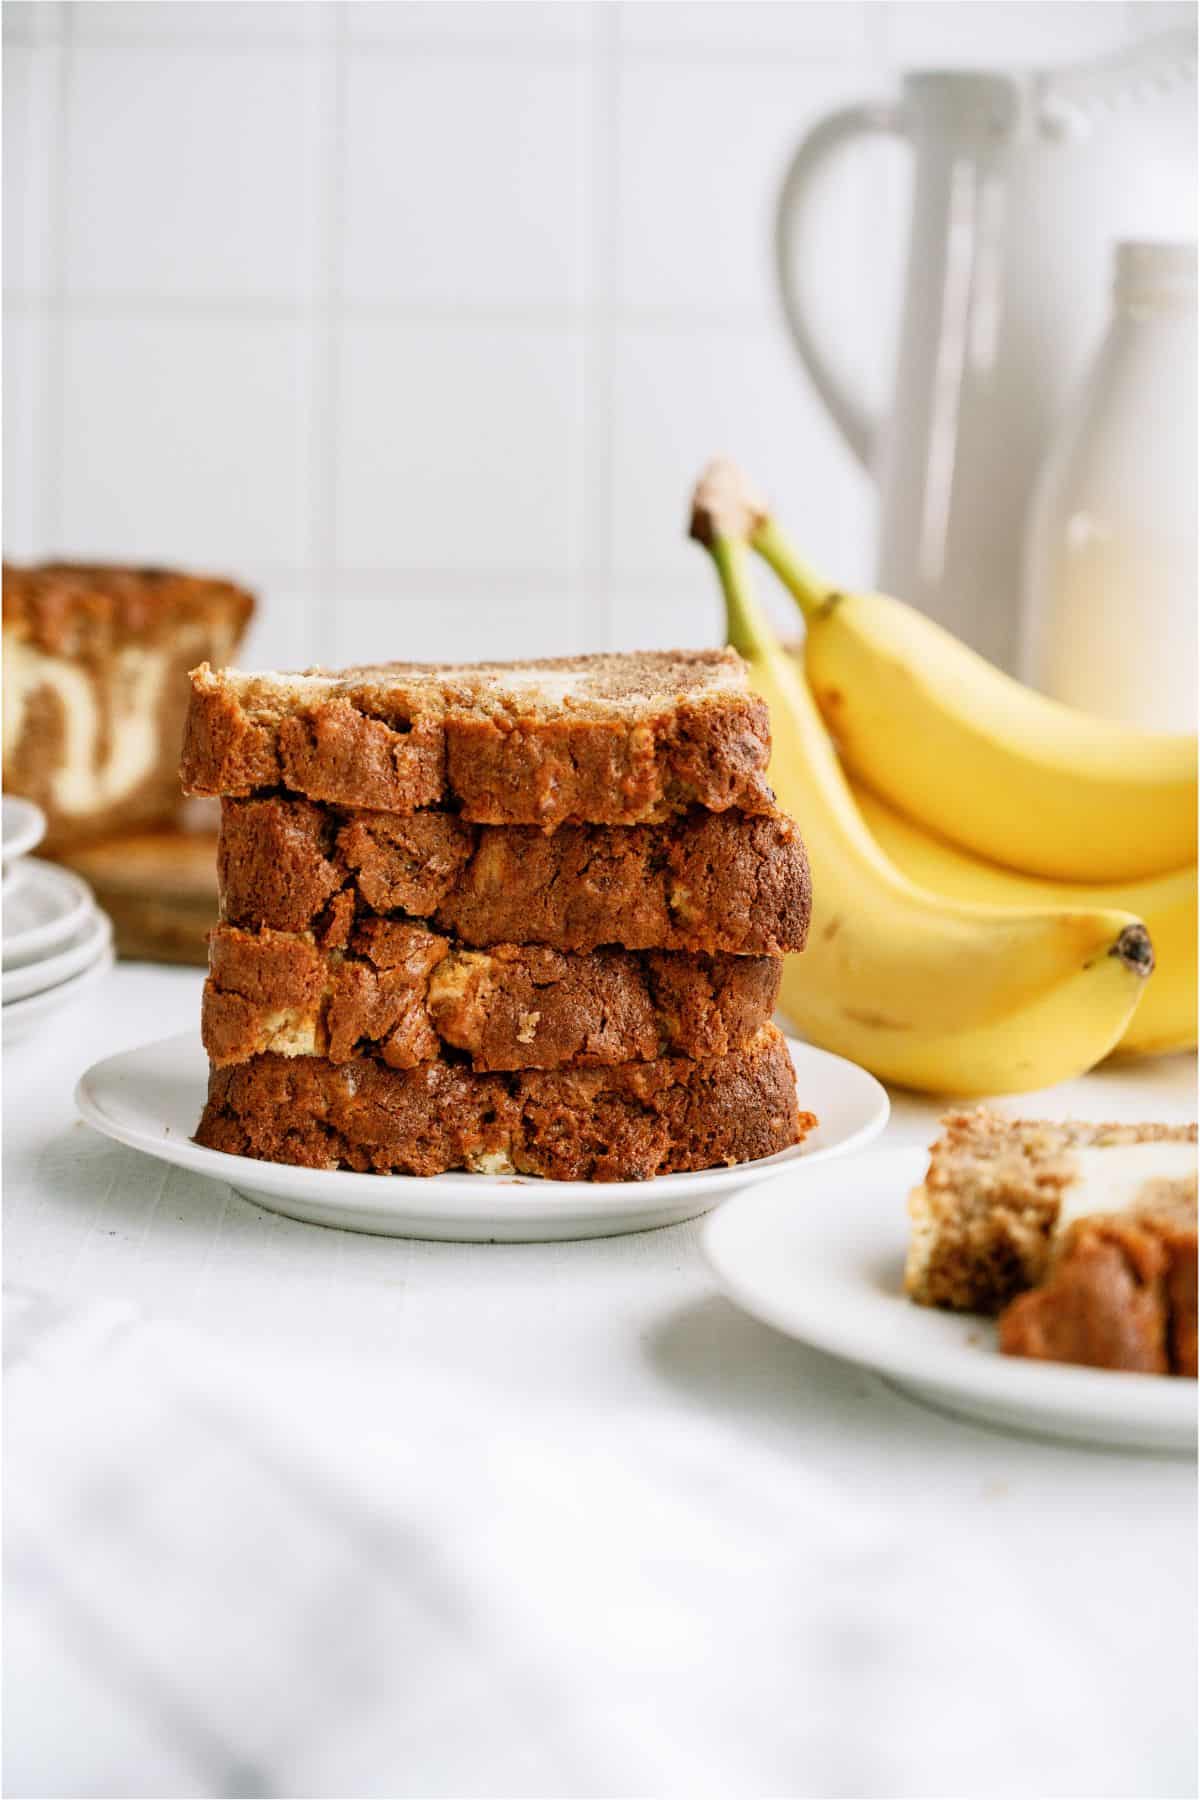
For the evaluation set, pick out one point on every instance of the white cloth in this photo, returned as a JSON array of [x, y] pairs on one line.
[[298, 1512]]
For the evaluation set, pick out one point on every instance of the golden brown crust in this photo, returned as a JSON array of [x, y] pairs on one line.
[[85, 609], [329, 752], [615, 748], [406, 994], [701, 882], [608, 1124]]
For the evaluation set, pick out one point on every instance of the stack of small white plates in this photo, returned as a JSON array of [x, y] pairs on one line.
[[56, 941]]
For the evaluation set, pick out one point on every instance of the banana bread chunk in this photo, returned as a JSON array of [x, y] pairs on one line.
[[610, 1124], [1120, 1293], [597, 739], [701, 881], [998, 1190], [406, 994]]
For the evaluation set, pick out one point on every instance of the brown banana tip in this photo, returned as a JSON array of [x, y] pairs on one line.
[[724, 505], [1135, 950]]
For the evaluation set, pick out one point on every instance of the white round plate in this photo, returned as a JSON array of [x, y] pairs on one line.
[[44, 906], [21, 1017], [151, 1099], [823, 1261], [22, 825], [89, 942]]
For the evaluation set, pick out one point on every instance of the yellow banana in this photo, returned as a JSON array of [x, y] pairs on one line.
[[924, 991], [1166, 1014], [965, 750]]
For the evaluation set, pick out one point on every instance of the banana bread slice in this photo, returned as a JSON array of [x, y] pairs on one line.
[[698, 882], [1120, 1294], [626, 1123], [597, 739], [96, 689], [985, 1218], [404, 993]]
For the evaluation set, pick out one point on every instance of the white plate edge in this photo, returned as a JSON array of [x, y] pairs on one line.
[[18, 1011], [1062, 1387], [61, 965], [285, 1178], [18, 944], [28, 835]]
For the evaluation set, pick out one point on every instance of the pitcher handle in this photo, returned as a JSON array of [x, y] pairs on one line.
[[852, 418]]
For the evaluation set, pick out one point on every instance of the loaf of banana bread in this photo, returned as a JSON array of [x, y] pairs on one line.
[[701, 881], [407, 994], [96, 689], [589, 739], [603, 1124]]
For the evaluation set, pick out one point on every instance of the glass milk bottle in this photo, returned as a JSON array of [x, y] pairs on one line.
[[1109, 607]]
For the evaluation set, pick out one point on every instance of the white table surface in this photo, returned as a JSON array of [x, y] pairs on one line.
[[291, 1511]]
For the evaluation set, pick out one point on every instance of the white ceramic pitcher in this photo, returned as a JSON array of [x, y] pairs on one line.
[[1022, 182]]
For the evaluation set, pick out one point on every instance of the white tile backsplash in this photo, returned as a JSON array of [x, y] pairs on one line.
[[562, 23], [24, 366], [287, 630], [463, 185], [685, 610], [682, 613], [213, 155], [31, 92], [1145, 17], [437, 618], [746, 28], [423, 317], [198, 21], [697, 205], [460, 448], [942, 34], [684, 395], [186, 440], [31, 21]]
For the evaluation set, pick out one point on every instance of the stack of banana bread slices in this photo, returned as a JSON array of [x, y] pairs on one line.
[[502, 917]]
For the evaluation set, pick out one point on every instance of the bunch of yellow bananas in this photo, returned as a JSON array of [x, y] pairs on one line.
[[990, 869]]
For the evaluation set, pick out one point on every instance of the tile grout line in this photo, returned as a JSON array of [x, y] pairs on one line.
[[379, 578], [48, 509], [459, 50], [599, 436], [324, 321], [877, 48], [877, 59], [169, 308]]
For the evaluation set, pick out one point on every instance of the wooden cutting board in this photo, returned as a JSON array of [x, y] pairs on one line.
[[159, 888]]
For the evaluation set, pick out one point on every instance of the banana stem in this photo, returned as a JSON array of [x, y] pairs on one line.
[[747, 627], [812, 595], [729, 517]]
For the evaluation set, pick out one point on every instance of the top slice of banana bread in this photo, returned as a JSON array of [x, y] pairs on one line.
[[615, 740]]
